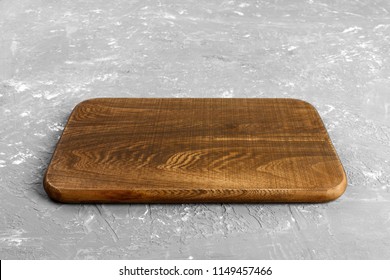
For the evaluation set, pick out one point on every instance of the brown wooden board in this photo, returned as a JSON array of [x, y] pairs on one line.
[[198, 150]]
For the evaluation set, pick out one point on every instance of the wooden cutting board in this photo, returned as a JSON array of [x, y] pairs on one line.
[[164, 150]]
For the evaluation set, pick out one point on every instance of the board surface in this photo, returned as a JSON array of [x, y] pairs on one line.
[[176, 150]]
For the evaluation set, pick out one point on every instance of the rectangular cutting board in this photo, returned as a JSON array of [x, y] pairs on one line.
[[198, 150]]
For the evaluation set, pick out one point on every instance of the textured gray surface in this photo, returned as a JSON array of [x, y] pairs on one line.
[[336, 55]]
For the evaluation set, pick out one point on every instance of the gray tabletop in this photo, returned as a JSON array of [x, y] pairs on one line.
[[335, 55]]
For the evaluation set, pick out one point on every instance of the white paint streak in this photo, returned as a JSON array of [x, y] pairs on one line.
[[56, 127], [18, 161], [13, 238], [374, 175], [244, 5], [21, 88], [291, 48], [37, 95], [25, 114], [18, 85], [330, 109], [353, 29], [49, 95], [39, 134], [112, 41], [169, 16], [227, 93], [185, 218], [381, 27], [20, 157], [108, 58], [14, 47]]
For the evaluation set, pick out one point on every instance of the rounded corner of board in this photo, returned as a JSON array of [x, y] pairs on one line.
[[303, 102], [87, 102], [338, 190], [52, 191]]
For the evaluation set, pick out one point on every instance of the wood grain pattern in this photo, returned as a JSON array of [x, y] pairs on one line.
[[166, 150]]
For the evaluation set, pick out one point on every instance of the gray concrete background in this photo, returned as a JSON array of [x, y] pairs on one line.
[[334, 54]]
